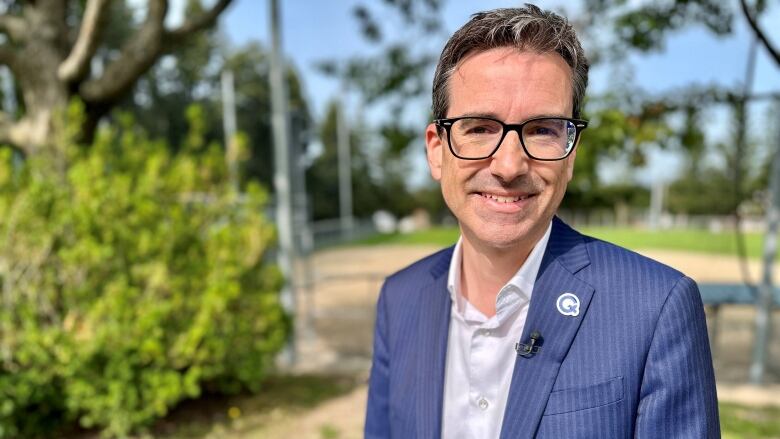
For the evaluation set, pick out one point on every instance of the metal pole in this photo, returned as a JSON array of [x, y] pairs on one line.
[[741, 109], [281, 126], [765, 296], [229, 123], [345, 171], [303, 237], [656, 204]]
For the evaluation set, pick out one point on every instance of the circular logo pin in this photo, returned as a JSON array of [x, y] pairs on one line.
[[568, 304]]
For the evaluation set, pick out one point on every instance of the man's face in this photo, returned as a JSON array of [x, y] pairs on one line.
[[508, 199]]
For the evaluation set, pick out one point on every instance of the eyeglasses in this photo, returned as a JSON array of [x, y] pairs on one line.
[[542, 138]]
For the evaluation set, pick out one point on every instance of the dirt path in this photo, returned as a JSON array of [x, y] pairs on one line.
[[339, 418], [342, 317], [708, 268]]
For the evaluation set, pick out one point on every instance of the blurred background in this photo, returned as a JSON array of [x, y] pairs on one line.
[[199, 199]]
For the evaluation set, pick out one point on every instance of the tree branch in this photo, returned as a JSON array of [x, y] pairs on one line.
[[16, 133], [135, 59], [76, 66], [14, 27], [195, 24], [760, 33]]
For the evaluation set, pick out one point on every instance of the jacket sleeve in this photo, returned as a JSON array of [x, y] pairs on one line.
[[377, 412], [678, 397]]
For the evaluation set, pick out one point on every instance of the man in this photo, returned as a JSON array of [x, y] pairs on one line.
[[527, 328]]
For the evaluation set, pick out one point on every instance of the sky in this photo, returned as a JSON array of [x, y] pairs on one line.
[[313, 31]]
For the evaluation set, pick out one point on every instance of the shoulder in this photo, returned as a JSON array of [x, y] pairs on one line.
[[602, 258], [421, 271], [404, 288], [624, 274], [414, 287], [618, 273]]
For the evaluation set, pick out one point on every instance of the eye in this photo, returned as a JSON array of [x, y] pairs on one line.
[[544, 128], [543, 131], [481, 129], [476, 127]]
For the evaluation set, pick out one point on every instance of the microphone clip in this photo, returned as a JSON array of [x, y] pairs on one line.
[[528, 350]]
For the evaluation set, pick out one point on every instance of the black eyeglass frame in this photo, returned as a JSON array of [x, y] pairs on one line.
[[579, 126]]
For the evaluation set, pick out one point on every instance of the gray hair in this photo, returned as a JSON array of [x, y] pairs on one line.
[[529, 28]]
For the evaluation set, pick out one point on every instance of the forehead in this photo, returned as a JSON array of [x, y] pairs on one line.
[[510, 83]]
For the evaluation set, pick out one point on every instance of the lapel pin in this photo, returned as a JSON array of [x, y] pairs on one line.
[[568, 304]]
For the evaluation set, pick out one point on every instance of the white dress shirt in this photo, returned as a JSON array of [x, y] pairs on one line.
[[481, 351]]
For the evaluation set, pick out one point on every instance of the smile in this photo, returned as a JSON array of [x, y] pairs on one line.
[[502, 199]]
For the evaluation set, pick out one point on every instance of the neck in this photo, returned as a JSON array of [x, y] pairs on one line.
[[485, 270]]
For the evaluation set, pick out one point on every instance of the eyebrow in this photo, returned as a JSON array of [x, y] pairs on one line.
[[494, 116]]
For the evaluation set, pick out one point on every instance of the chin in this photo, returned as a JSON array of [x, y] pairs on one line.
[[500, 236]]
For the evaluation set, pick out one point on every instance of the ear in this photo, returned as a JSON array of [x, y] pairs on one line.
[[434, 148]]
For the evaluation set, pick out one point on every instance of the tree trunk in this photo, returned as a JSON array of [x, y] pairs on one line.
[[45, 98], [50, 59]]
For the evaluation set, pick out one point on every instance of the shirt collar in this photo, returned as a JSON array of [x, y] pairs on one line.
[[519, 287]]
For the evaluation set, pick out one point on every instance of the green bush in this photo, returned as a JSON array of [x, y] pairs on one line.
[[131, 278]]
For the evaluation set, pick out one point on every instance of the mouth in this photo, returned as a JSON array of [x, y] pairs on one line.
[[503, 199]]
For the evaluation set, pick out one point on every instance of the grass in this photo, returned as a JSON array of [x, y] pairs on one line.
[[737, 421], [700, 241], [328, 431], [694, 240], [441, 236]]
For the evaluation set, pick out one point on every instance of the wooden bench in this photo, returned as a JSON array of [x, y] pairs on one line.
[[714, 295]]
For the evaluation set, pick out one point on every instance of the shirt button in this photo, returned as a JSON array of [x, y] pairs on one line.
[[483, 403], [487, 332]]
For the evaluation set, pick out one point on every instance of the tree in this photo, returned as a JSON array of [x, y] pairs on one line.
[[187, 75], [191, 75], [752, 20], [707, 188], [251, 66], [399, 70], [396, 74], [645, 26], [50, 47], [322, 177]]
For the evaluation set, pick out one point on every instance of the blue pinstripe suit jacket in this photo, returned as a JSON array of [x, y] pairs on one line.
[[635, 362]]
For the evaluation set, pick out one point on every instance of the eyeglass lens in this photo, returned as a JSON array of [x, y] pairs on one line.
[[549, 138]]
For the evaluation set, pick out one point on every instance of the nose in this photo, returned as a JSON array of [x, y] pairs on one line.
[[510, 161]]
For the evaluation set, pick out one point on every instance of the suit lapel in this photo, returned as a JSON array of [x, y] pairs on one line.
[[533, 378], [433, 330]]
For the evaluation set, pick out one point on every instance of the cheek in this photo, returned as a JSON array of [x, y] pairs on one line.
[[449, 183], [453, 184], [449, 172], [450, 195], [555, 179]]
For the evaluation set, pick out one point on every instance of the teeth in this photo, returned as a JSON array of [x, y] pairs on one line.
[[501, 199]]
